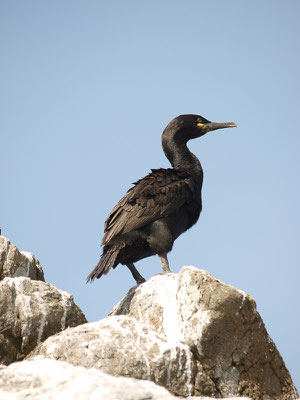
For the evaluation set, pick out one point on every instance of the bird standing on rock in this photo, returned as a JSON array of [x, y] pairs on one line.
[[160, 206]]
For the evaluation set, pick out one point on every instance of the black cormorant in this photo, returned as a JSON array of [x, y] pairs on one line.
[[160, 206]]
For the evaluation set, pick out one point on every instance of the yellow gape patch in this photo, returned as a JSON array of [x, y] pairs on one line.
[[200, 125]]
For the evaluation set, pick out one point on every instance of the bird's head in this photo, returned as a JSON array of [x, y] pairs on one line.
[[191, 126]]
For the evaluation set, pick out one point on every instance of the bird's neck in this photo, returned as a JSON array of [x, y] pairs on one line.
[[182, 158]]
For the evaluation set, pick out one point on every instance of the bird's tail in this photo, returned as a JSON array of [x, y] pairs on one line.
[[106, 262]]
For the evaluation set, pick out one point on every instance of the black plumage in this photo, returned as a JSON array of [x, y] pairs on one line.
[[160, 206]]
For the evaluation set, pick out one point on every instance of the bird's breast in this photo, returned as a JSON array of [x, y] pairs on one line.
[[186, 216]]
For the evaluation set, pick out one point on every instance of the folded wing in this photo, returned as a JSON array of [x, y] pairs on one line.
[[158, 195]]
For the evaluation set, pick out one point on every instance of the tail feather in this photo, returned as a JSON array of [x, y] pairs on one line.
[[106, 262], [124, 249]]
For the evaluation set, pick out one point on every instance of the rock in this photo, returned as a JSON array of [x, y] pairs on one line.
[[188, 332], [233, 352], [120, 345], [14, 263], [30, 312], [43, 379]]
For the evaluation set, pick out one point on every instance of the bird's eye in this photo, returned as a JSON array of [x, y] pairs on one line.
[[199, 120]]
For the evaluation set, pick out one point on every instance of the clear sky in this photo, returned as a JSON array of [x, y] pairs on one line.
[[87, 88]]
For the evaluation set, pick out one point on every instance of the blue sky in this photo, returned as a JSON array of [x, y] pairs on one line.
[[87, 88]]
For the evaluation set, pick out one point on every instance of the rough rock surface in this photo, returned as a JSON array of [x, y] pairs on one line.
[[44, 379], [233, 351], [122, 346], [14, 263], [188, 332], [30, 312]]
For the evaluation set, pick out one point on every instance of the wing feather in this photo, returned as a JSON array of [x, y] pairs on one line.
[[158, 195]]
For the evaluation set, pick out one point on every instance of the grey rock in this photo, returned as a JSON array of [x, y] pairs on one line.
[[189, 332], [44, 379], [14, 263], [234, 354], [30, 312], [120, 345]]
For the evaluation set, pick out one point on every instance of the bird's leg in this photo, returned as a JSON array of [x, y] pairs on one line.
[[135, 273], [164, 263]]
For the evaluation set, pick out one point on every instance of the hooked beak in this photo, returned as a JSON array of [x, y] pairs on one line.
[[212, 126]]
